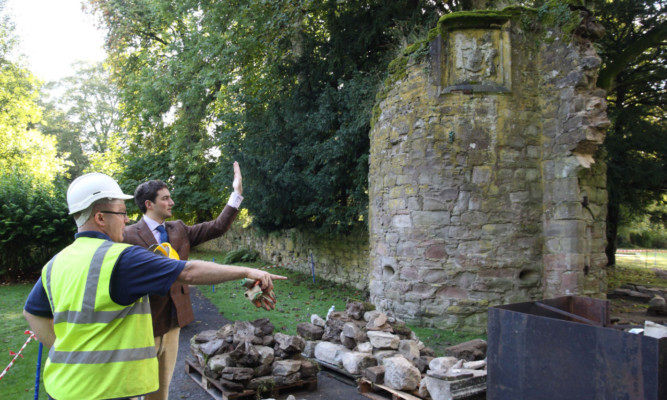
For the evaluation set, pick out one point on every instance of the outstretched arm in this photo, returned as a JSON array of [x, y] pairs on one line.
[[197, 272]]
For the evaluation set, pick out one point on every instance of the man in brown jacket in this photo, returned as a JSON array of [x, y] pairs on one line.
[[174, 311]]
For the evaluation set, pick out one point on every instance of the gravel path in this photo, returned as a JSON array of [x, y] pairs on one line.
[[208, 317]]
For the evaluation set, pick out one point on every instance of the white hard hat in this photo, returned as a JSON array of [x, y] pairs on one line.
[[88, 188]]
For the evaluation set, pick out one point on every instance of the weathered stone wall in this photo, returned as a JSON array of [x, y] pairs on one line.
[[342, 259], [481, 191]]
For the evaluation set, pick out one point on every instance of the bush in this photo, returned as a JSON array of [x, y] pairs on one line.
[[34, 225], [241, 255]]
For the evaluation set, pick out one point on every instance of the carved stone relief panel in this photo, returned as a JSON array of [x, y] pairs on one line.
[[477, 60]]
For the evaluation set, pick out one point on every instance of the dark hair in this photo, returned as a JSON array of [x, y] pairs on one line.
[[147, 191]]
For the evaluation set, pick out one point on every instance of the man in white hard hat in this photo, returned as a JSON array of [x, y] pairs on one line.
[[90, 306], [172, 312]]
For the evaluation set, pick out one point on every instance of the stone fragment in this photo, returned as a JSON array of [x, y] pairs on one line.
[[212, 347], [355, 310], [309, 331], [470, 351], [380, 355], [245, 355], [331, 353], [401, 329], [230, 385], [454, 374], [290, 344], [400, 374], [205, 336], [263, 327], [219, 361], [427, 351], [655, 330], [365, 347], [355, 362], [262, 384], [286, 367], [422, 363], [268, 340], [348, 342], [266, 354], [409, 349], [333, 328], [237, 373], [369, 315], [438, 388], [657, 305], [226, 332], [287, 380], [481, 364], [309, 369], [309, 348], [243, 331], [374, 374], [263, 370], [317, 320], [383, 340]]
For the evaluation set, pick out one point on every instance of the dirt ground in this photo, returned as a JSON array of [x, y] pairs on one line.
[[208, 317]]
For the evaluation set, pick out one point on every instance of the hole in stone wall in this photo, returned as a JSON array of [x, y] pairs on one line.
[[528, 275], [388, 271], [586, 269]]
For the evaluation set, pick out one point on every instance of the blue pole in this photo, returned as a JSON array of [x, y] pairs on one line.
[[312, 266], [39, 369]]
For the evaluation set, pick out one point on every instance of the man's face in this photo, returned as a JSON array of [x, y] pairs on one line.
[[114, 219], [160, 210]]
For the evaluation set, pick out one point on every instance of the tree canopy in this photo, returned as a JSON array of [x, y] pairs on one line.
[[286, 88], [634, 73]]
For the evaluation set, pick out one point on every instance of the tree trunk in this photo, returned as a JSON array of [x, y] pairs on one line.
[[612, 230]]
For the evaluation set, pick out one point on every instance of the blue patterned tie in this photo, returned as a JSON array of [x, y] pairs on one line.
[[163, 234]]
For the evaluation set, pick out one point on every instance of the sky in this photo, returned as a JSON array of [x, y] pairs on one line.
[[54, 34]]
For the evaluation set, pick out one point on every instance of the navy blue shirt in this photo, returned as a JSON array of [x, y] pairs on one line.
[[137, 272]]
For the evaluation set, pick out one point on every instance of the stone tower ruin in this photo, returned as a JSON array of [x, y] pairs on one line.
[[485, 183]]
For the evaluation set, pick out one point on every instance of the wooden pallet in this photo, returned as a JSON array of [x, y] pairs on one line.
[[216, 390], [381, 392]]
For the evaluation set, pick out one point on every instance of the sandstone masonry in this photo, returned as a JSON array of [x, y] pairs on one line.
[[484, 183]]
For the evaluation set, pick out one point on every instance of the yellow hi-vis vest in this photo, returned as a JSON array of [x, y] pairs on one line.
[[102, 350]]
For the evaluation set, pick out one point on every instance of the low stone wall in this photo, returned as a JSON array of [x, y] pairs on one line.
[[340, 259]]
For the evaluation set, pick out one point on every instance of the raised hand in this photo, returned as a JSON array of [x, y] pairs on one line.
[[238, 180]]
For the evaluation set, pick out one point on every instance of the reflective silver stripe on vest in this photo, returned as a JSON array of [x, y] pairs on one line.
[[101, 357], [88, 315], [104, 317], [48, 281]]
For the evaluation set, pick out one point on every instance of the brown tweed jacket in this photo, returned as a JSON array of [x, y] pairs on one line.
[[182, 238]]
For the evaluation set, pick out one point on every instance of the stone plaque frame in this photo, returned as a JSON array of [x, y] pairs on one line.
[[473, 59]]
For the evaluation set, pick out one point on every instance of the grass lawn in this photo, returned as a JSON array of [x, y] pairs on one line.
[[299, 297], [637, 267], [19, 382]]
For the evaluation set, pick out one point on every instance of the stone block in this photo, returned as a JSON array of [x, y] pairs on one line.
[[400, 374], [374, 374], [383, 340], [309, 331], [331, 353], [355, 362]]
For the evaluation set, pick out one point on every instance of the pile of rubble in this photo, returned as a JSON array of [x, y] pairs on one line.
[[385, 351], [653, 296], [248, 355]]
